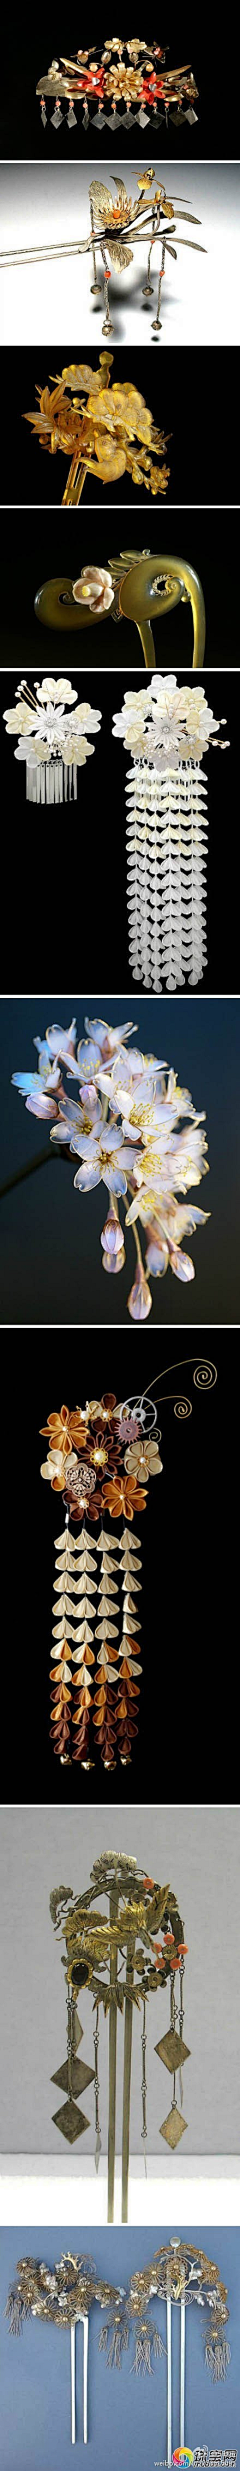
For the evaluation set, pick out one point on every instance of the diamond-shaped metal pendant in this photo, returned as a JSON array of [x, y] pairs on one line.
[[143, 118], [70, 2121], [173, 2127], [99, 120], [127, 120], [172, 2050], [115, 122], [80, 2075]]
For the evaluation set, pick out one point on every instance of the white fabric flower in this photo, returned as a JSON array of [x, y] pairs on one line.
[[166, 724], [44, 725]]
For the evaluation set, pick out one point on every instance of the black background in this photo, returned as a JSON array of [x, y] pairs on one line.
[[26, 53], [187, 1537], [42, 548], [202, 472], [97, 823]]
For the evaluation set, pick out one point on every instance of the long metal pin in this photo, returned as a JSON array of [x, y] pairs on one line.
[[33, 257], [182, 2371], [73, 2398], [113, 1914], [64, 248], [85, 2380], [127, 2079], [169, 2368]]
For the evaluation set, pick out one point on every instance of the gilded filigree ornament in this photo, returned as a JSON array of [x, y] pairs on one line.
[[122, 1960], [119, 73], [167, 729], [179, 2275], [63, 2294], [104, 429], [113, 221], [152, 216]]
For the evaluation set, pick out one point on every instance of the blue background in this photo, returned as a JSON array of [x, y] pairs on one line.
[[127, 2414]]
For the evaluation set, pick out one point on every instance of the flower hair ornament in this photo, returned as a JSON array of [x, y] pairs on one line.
[[62, 2295], [111, 222], [179, 2275], [101, 1458], [167, 729], [135, 586], [121, 1961], [52, 745], [131, 1128], [120, 74], [106, 430]]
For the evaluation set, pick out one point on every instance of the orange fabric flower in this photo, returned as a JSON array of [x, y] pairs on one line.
[[58, 1431], [122, 1497]]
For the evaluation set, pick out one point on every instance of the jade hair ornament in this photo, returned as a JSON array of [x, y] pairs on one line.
[[138, 587]]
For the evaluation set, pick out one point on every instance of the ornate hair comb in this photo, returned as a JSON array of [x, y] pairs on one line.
[[120, 73]]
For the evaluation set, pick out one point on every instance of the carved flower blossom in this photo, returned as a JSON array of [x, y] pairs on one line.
[[95, 588]]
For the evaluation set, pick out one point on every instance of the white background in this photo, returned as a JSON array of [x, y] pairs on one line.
[[201, 300]]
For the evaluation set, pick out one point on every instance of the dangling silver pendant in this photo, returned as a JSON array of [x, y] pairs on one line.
[[71, 118], [56, 116]]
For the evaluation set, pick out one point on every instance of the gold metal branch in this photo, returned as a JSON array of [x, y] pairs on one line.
[[105, 429]]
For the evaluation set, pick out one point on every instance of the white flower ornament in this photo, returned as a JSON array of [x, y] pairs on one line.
[[133, 1129], [51, 744], [167, 730]]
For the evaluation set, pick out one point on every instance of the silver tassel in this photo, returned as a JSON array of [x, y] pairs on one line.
[[217, 2356]]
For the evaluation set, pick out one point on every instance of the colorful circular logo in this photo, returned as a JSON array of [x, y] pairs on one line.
[[183, 2455]]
